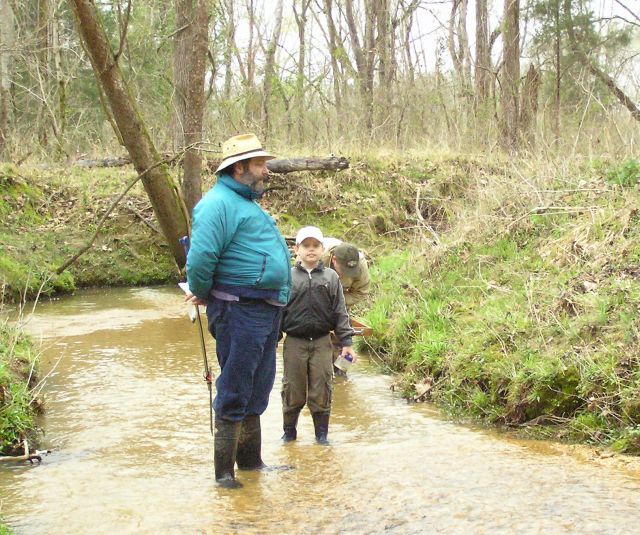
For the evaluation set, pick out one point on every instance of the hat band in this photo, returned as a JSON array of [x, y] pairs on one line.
[[243, 153]]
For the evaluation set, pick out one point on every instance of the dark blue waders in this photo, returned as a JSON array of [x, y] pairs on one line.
[[246, 334]]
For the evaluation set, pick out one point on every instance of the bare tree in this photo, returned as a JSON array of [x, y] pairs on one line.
[[301, 21], [230, 47], [269, 69], [42, 72], [189, 68], [333, 40], [510, 75], [483, 55], [7, 43], [365, 55], [162, 192], [459, 41]]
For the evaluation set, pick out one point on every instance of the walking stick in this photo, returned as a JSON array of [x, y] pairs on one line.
[[184, 241]]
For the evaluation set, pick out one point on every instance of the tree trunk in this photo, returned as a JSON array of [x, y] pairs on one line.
[[162, 192], [269, 70], [558, 44], [483, 58], [510, 75], [364, 56], [333, 50], [189, 68], [301, 21], [7, 44], [229, 48], [529, 103], [42, 71]]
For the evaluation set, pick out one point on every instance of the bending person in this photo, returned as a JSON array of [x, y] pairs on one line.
[[353, 270]]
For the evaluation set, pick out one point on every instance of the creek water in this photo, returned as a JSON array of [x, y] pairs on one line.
[[127, 420]]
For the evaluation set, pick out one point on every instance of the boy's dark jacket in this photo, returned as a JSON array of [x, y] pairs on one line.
[[316, 305]]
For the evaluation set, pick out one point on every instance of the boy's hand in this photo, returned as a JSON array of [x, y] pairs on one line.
[[348, 350], [194, 300]]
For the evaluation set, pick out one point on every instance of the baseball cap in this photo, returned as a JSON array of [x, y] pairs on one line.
[[308, 232], [348, 258]]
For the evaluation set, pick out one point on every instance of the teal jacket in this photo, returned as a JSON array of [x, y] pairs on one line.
[[236, 246]]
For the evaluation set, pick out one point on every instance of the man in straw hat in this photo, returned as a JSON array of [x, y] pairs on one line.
[[239, 267]]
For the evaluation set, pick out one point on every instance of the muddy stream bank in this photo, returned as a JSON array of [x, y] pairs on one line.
[[127, 420]]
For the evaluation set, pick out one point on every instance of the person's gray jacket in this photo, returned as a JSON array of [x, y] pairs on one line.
[[316, 305]]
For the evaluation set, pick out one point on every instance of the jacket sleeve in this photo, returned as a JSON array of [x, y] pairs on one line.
[[342, 327], [359, 289], [210, 235]]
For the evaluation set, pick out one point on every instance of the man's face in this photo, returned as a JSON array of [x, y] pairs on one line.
[[310, 251], [336, 266], [252, 172]]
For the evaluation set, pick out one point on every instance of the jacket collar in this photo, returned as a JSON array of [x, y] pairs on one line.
[[319, 267], [241, 189]]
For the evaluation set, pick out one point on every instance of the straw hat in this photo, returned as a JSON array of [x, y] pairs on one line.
[[241, 147]]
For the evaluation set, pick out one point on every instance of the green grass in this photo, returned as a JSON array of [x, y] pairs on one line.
[[16, 364], [532, 324]]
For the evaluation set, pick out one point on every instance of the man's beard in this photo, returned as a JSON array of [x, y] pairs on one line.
[[251, 181]]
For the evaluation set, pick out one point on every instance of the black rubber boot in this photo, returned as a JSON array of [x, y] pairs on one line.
[[225, 449], [290, 422], [250, 444], [321, 425]]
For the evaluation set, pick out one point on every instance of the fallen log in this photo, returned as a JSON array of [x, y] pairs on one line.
[[331, 163], [278, 166]]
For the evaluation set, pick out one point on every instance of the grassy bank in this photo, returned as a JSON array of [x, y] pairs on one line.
[[17, 377], [525, 312], [49, 214]]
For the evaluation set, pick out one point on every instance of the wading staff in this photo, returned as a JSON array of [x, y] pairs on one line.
[[184, 241]]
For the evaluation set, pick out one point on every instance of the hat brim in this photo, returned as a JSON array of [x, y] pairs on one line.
[[349, 272], [244, 156]]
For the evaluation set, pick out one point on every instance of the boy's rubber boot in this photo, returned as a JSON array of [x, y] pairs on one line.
[[321, 425], [250, 444], [225, 448], [290, 422]]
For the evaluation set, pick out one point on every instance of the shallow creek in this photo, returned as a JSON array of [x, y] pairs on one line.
[[127, 420]]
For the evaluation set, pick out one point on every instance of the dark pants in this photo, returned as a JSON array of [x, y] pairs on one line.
[[246, 338]]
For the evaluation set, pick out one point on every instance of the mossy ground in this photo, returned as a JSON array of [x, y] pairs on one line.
[[47, 215]]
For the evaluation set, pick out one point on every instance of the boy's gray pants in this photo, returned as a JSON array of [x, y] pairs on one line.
[[308, 375]]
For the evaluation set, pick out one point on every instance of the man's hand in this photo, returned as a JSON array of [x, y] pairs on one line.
[[348, 350], [194, 300]]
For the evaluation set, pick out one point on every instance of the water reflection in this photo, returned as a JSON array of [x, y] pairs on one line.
[[127, 417]]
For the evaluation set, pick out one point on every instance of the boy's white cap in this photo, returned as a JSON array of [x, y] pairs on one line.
[[309, 232]]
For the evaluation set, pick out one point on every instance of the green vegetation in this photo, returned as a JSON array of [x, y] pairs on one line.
[[525, 315], [47, 216], [4, 529], [17, 407]]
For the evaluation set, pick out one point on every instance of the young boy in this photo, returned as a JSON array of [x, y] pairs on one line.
[[316, 307]]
